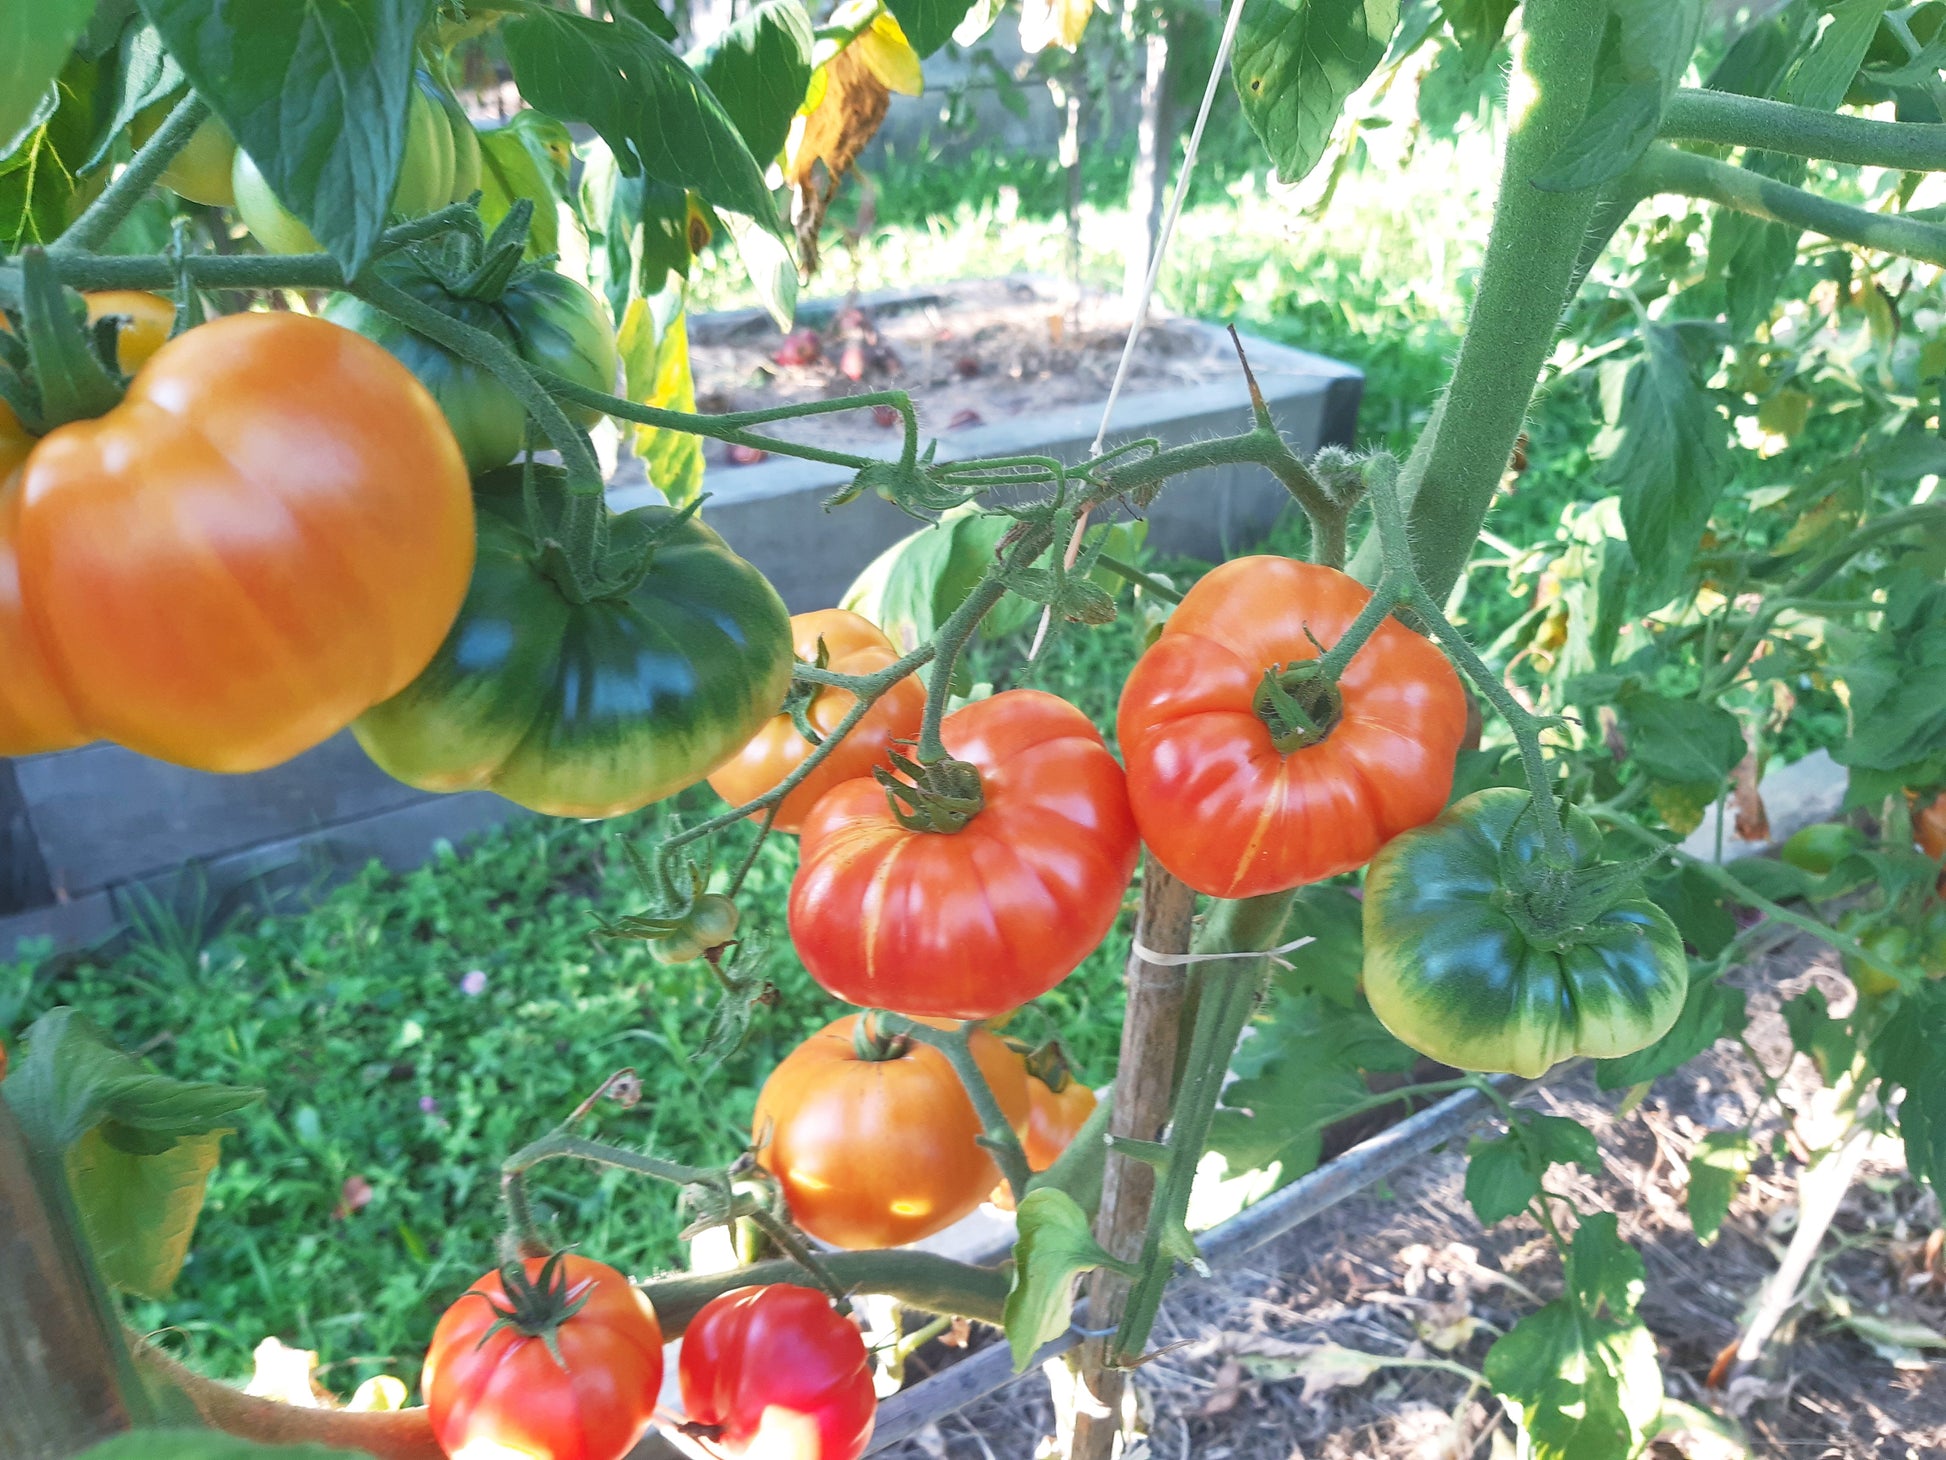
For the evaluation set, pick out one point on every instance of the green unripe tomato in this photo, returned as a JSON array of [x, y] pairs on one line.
[[1454, 970], [487, 419], [201, 171], [678, 947], [1889, 946], [563, 327], [1817, 849], [466, 147], [713, 919], [425, 179]]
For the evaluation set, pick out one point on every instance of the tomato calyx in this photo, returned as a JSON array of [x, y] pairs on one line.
[[1048, 1064], [1299, 707], [942, 797], [535, 1307], [874, 1044], [1554, 907]]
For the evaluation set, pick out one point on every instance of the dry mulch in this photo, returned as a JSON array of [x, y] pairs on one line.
[[1409, 1271]]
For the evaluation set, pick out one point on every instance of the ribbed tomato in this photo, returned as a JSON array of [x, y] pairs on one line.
[[779, 1374], [1225, 806], [853, 645], [971, 923], [272, 532], [878, 1152], [555, 1360]]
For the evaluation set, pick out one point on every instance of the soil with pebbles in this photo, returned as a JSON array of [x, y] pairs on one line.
[[1408, 1271]]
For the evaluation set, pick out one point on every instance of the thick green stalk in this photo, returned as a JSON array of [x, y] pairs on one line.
[[1726, 119], [999, 1138], [1530, 261], [1665, 169], [917, 1279], [1226, 997]]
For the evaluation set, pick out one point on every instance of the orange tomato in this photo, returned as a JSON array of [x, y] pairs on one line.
[[146, 322], [878, 1153], [1054, 1119], [1929, 825], [271, 533], [853, 646]]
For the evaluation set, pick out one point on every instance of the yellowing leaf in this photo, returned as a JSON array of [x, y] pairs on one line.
[[883, 47], [285, 1374], [1045, 23], [140, 1206], [380, 1393], [655, 367]]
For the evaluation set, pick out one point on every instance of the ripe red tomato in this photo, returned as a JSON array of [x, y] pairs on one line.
[[271, 533], [880, 1152], [781, 1374], [853, 646], [492, 1380], [969, 924], [1219, 803]]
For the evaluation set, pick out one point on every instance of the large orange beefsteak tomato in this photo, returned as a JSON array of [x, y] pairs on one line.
[[873, 1138], [970, 923], [1226, 808], [852, 645], [271, 533]]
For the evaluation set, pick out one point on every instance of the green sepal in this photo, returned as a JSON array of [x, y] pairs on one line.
[[72, 381]]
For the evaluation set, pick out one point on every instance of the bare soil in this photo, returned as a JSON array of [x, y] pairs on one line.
[[1408, 1271], [969, 353]]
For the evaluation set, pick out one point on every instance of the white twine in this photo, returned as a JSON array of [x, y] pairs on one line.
[[1171, 960], [1156, 253]]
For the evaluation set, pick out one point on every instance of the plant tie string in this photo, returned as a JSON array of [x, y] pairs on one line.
[[1140, 317], [1169, 960]]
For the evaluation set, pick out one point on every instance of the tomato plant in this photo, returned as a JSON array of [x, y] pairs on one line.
[[774, 1371], [969, 923], [559, 1357], [223, 570], [872, 1137], [845, 643], [1237, 790], [589, 708]]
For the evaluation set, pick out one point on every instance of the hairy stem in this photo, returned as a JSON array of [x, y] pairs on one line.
[[1664, 169], [956, 1045], [105, 214], [1725, 119], [1523, 286]]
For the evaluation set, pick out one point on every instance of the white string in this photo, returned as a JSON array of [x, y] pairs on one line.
[[1170, 960], [1156, 253]]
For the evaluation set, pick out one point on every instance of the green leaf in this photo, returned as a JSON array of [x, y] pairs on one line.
[[1910, 1051], [1333, 964], [34, 42], [520, 160], [145, 73], [1823, 76], [1717, 1169], [1580, 1376], [653, 111], [651, 15], [69, 1079], [204, 1445], [1055, 1245], [1711, 1011], [1504, 1175], [1295, 65], [315, 93], [769, 262], [1665, 447], [140, 1208], [1644, 52], [928, 24], [760, 69], [1897, 681], [1823, 1040], [1696, 906], [1680, 740], [41, 187], [1500, 1179], [1478, 26], [1302, 1070], [655, 364]]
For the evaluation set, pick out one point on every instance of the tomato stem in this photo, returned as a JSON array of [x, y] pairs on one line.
[[105, 214], [956, 1045]]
